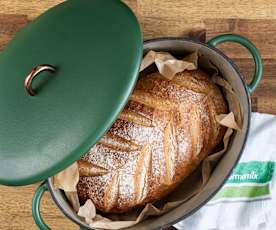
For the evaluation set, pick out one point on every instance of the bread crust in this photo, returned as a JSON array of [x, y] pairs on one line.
[[165, 131]]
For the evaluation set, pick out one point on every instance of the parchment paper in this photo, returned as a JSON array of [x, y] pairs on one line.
[[168, 66]]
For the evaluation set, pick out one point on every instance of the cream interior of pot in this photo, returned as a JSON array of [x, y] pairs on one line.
[[226, 164]]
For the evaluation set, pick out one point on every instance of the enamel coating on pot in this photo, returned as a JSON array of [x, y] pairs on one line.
[[232, 74], [49, 119]]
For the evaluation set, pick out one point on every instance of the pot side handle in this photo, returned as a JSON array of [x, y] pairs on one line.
[[36, 206], [251, 48]]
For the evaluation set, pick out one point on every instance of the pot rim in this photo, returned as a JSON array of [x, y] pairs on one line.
[[235, 67]]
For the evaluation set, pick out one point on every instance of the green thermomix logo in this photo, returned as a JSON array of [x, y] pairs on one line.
[[249, 180], [252, 172]]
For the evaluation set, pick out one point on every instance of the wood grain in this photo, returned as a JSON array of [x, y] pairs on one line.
[[262, 32], [16, 210], [263, 99], [10, 24], [255, 19]]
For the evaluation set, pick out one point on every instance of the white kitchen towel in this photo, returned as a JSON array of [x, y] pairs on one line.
[[247, 200]]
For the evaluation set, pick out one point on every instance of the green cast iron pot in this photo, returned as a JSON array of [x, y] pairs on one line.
[[231, 73]]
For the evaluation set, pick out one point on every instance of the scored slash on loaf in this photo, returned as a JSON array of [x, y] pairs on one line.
[[165, 131]]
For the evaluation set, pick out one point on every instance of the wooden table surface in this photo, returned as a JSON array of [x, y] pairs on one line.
[[255, 19]]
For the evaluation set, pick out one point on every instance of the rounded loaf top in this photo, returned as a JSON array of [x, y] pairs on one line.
[[165, 131]]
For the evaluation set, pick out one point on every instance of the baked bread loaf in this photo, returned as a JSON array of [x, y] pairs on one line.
[[165, 131]]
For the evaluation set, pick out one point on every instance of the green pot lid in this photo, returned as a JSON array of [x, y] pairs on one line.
[[93, 49]]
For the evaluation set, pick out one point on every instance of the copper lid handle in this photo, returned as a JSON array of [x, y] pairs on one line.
[[35, 72]]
